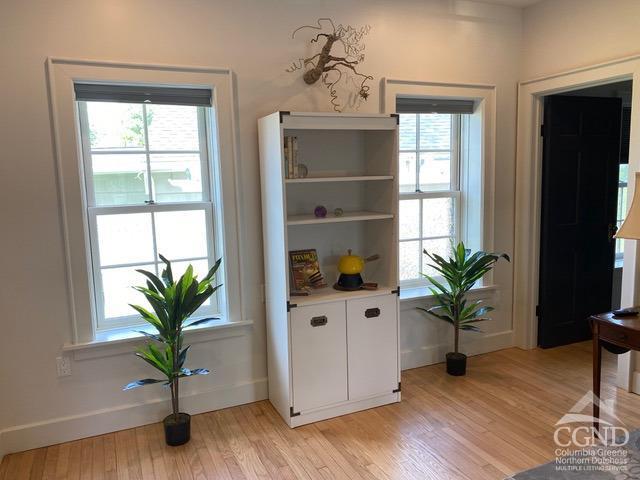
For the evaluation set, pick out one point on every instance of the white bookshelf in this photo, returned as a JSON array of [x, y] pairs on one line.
[[352, 361]]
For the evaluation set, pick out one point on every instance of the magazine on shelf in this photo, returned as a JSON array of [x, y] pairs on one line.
[[305, 270]]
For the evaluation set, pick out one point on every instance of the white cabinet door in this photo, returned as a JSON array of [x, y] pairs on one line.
[[372, 330], [319, 355]]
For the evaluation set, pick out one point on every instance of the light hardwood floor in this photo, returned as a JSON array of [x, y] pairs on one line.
[[495, 421]]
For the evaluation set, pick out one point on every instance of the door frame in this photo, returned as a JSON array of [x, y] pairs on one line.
[[531, 95]]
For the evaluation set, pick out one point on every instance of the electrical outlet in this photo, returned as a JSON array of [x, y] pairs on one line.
[[63, 366]]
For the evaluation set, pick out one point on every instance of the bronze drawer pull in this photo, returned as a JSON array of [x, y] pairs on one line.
[[372, 312], [319, 321]]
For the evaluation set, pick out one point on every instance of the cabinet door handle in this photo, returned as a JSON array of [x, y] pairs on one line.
[[372, 312], [319, 321]]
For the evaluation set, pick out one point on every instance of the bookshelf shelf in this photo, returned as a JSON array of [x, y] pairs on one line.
[[353, 178], [329, 294], [331, 218]]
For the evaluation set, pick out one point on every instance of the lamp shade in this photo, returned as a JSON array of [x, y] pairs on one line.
[[630, 228]]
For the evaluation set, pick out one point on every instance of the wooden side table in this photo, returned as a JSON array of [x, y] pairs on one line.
[[617, 335]]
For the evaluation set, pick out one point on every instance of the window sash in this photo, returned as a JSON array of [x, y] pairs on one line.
[[104, 323], [88, 152], [453, 192], [423, 236], [94, 211], [454, 154]]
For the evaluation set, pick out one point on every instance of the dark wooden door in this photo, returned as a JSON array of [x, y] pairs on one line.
[[579, 189]]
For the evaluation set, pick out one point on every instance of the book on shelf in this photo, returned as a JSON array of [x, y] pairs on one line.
[[305, 270], [286, 158], [291, 156], [294, 157]]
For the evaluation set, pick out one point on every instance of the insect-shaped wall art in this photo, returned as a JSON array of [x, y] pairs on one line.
[[336, 64]]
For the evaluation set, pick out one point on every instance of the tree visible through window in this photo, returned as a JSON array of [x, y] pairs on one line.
[[147, 185], [429, 190]]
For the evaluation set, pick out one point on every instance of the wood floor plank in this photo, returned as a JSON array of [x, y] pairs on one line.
[[497, 420], [37, 466], [50, 463]]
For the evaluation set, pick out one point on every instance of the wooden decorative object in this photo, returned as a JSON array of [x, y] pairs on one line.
[[338, 73]]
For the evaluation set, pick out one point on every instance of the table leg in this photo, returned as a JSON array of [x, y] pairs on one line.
[[597, 366]]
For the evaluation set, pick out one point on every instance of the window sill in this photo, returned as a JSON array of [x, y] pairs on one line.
[[122, 341], [422, 293]]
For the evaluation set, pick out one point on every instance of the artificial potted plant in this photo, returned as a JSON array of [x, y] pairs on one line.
[[459, 274], [172, 302]]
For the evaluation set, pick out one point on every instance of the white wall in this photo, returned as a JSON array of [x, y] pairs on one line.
[[434, 40], [560, 35]]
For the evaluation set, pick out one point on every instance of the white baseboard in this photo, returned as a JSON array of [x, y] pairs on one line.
[[98, 422], [430, 354]]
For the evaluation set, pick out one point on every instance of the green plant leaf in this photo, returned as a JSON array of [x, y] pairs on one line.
[[185, 372], [439, 316], [141, 383], [183, 356], [167, 274], [201, 321], [213, 270], [152, 336], [155, 280], [157, 363], [470, 328], [149, 317]]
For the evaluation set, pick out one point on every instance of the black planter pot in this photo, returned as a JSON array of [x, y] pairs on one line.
[[456, 364], [177, 432]]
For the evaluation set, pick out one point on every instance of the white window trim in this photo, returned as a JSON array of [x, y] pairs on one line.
[[62, 73], [477, 168]]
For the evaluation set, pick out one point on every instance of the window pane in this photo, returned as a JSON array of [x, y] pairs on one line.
[[440, 246], [115, 125], [118, 294], [407, 172], [181, 234], [119, 179], [435, 131], [438, 217], [409, 260], [409, 219], [407, 131], [172, 127], [435, 171], [176, 177], [125, 238]]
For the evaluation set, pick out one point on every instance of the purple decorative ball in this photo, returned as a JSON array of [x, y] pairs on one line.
[[320, 211]]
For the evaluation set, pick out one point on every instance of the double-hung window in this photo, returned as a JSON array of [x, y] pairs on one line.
[[148, 189], [429, 190]]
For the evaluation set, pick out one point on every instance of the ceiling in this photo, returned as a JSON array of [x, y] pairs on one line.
[[513, 3]]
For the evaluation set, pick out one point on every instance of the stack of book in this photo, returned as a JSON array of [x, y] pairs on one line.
[[291, 157]]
